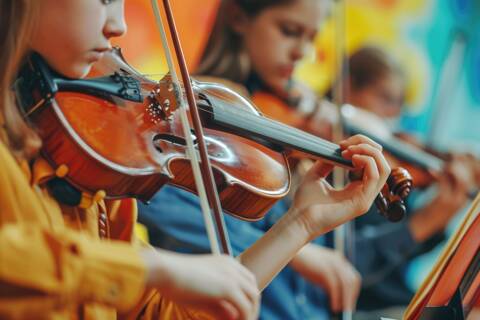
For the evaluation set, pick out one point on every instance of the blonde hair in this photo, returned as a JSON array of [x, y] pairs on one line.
[[17, 20], [223, 56]]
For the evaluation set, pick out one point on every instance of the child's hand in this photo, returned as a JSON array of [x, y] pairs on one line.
[[321, 207], [330, 270], [215, 284]]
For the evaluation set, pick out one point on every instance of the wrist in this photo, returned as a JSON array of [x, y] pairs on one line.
[[157, 268], [279, 245], [306, 255], [297, 223]]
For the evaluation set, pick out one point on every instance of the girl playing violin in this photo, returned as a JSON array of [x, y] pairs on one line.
[[256, 44], [53, 262]]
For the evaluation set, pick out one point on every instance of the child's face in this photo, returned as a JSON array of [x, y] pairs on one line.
[[384, 97], [72, 34], [279, 36]]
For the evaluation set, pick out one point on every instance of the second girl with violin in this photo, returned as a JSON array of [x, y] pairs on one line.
[[55, 264]]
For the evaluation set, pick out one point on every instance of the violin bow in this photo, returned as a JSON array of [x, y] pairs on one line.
[[202, 171], [338, 98], [344, 234]]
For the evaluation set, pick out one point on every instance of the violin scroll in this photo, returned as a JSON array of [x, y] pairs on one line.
[[390, 201]]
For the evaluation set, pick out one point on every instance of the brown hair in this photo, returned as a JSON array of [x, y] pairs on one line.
[[17, 18], [223, 56], [370, 64]]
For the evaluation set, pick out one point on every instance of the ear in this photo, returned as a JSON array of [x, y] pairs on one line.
[[238, 19]]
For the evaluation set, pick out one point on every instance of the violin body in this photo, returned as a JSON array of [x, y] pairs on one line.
[[131, 149]]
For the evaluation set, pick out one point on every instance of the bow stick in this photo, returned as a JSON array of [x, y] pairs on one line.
[[204, 179]]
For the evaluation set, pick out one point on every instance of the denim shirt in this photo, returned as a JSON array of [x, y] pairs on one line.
[[175, 222], [383, 252]]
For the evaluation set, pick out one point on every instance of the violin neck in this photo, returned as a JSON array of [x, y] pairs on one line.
[[273, 134], [403, 150]]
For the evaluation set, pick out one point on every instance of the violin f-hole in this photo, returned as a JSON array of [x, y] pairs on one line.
[[171, 139]]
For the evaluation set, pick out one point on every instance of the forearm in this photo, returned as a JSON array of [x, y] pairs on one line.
[[298, 261], [429, 220], [271, 253]]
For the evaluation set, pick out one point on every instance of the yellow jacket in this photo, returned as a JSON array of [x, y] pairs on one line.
[[53, 264]]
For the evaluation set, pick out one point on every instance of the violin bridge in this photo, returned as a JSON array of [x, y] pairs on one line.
[[163, 102]]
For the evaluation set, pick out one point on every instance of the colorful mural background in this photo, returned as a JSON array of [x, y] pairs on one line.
[[443, 83], [142, 46], [419, 34]]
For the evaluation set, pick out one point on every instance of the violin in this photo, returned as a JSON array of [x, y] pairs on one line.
[[422, 164], [122, 128]]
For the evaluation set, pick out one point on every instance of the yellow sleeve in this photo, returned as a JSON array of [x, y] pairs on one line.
[[40, 256], [154, 306], [71, 266]]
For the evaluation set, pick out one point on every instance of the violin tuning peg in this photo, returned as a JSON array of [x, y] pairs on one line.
[[390, 200], [400, 182], [396, 210]]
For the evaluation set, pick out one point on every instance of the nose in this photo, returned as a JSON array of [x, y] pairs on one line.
[[115, 25], [296, 54], [300, 50]]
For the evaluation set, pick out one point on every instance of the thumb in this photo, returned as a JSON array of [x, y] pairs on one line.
[[319, 170]]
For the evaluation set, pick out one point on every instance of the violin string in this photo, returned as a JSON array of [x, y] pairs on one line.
[[275, 125], [294, 132], [295, 136], [249, 118], [276, 128], [299, 137], [271, 124]]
